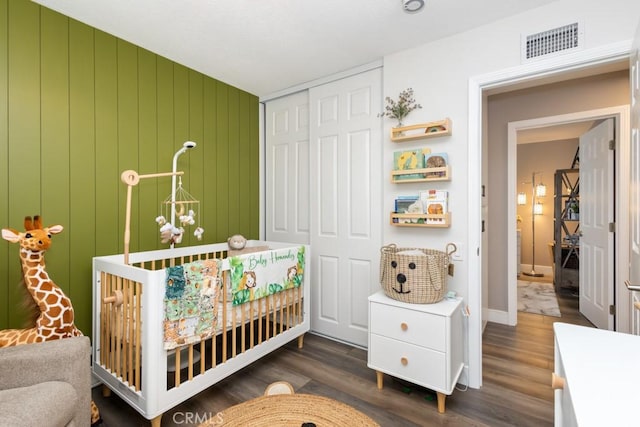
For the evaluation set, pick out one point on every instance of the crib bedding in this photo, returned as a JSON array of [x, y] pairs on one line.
[[193, 289]]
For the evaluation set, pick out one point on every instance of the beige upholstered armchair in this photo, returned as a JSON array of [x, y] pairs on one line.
[[46, 384]]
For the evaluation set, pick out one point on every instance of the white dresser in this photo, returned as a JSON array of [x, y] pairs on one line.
[[419, 343], [596, 377]]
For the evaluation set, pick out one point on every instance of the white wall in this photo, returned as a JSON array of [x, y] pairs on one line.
[[439, 73]]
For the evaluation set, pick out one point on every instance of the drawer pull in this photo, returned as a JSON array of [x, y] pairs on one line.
[[404, 361], [557, 382], [404, 326]]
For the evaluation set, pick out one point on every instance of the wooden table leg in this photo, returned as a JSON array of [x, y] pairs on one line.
[[441, 399], [380, 379], [106, 391], [156, 421], [300, 341]]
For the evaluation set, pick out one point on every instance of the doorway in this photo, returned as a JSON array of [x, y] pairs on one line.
[[620, 115], [525, 76]]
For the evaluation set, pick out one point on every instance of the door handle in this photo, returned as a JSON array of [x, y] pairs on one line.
[[631, 287]]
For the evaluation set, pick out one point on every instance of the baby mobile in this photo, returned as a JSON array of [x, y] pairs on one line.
[[181, 205], [188, 207]]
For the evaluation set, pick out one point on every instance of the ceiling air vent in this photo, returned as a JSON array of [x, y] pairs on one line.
[[557, 40]]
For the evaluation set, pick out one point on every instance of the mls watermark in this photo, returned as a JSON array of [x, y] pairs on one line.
[[196, 418]]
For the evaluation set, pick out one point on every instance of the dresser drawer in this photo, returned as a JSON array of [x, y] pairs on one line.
[[415, 327], [416, 364]]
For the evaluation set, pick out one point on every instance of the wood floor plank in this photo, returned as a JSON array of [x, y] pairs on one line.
[[516, 391]]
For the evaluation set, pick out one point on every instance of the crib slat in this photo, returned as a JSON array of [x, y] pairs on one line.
[[177, 372], [281, 312], [190, 369], [243, 326], [233, 330], [103, 318], [118, 341], [260, 323], [138, 334], [202, 356], [253, 303], [129, 333]]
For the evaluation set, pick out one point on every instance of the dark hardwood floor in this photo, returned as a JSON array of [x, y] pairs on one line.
[[516, 391]]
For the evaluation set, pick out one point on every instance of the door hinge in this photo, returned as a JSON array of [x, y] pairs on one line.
[[612, 227], [612, 309], [612, 144]]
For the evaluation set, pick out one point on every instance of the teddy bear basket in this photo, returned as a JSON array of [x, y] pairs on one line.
[[414, 275]]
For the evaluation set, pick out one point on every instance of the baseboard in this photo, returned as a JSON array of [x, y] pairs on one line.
[[498, 316]]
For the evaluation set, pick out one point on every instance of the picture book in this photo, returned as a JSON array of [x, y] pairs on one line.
[[408, 160], [403, 204], [435, 202], [436, 160]]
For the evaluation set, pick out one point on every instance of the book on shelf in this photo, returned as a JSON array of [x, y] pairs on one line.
[[405, 204], [435, 160], [408, 160], [435, 202]]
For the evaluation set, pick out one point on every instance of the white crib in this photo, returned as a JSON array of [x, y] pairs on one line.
[[128, 352]]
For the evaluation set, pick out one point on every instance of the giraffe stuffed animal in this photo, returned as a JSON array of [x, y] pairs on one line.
[[55, 319]]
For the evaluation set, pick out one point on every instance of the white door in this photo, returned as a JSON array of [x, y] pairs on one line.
[[346, 208], [634, 271], [287, 169], [596, 212]]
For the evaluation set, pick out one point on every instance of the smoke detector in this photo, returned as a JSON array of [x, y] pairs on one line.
[[412, 6]]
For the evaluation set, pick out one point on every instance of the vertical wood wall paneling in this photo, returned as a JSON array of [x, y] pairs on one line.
[[128, 133], [236, 163], [181, 133], [54, 103], [4, 163], [244, 166], [165, 131], [81, 227], [196, 157], [209, 196], [222, 163], [73, 98], [24, 136], [108, 233], [254, 186], [148, 193]]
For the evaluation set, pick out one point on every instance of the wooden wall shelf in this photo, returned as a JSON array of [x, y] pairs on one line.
[[421, 131], [429, 174], [398, 218]]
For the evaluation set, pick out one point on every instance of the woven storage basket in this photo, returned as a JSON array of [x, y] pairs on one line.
[[414, 275]]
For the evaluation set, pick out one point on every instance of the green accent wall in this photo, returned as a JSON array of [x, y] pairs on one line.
[[77, 108]]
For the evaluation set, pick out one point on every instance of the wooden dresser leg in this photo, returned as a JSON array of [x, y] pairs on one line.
[[106, 391], [380, 379], [441, 399], [156, 421], [300, 341]]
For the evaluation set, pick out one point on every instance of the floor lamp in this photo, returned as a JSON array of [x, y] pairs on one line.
[[537, 191]]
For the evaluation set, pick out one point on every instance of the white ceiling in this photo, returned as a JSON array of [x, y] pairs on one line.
[[265, 46]]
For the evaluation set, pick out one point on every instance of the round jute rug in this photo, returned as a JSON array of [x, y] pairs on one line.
[[300, 410]]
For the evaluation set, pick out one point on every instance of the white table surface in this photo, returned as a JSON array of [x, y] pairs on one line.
[[602, 372]]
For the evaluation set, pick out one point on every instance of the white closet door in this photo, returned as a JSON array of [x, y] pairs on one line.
[[346, 187], [287, 169]]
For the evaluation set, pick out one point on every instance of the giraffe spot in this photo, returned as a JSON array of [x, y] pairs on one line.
[[55, 311]]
